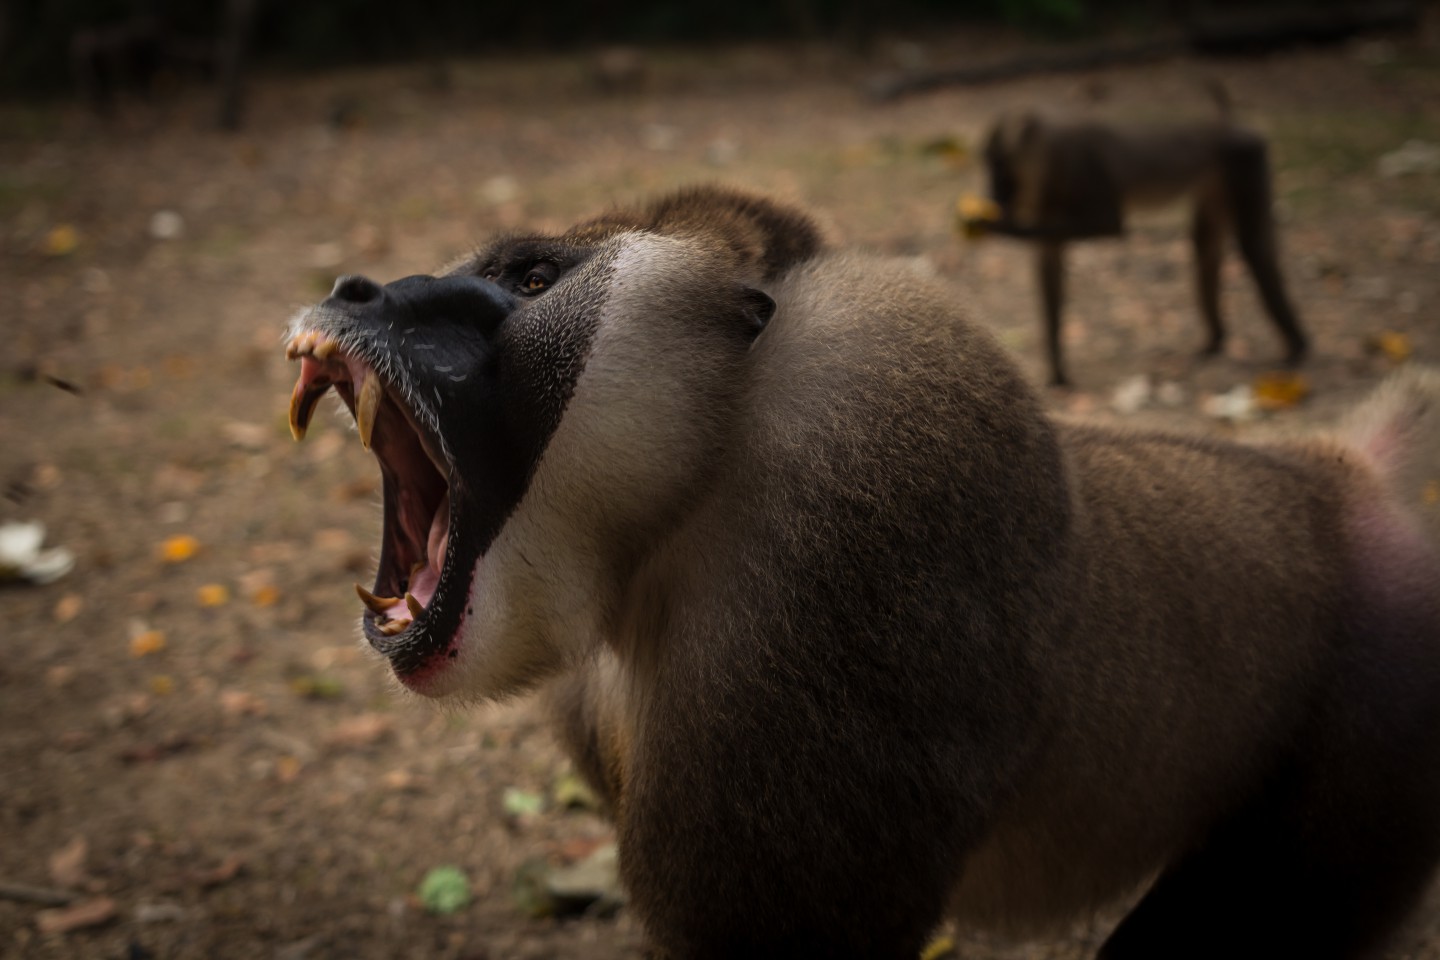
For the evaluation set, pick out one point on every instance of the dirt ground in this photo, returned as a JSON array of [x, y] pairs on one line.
[[191, 737]]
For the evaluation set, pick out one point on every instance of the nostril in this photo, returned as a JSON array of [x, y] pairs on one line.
[[355, 289]]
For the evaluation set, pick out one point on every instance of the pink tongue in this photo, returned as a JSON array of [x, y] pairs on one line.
[[427, 578], [439, 534]]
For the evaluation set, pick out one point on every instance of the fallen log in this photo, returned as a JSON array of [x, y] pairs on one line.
[[1249, 35]]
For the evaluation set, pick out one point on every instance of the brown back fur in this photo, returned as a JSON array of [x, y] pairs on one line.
[[905, 645]]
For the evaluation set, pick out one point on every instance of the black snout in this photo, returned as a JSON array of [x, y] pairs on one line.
[[423, 300], [353, 289]]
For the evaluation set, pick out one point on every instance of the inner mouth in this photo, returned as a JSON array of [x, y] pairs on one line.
[[417, 518]]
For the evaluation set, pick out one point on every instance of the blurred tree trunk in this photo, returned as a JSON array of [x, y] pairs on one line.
[[5, 31], [234, 44]]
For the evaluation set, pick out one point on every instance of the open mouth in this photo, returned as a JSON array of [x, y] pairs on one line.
[[404, 616]]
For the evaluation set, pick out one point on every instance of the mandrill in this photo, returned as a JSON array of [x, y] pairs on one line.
[[1054, 182], [853, 637]]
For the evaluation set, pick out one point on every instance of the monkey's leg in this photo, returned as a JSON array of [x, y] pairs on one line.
[[589, 732], [1249, 185], [1050, 262], [1207, 230], [1324, 865]]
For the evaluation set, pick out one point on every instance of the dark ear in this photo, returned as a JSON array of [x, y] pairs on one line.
[[757, 307]]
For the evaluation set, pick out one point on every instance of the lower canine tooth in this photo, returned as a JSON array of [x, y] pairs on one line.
[[367, 404], [377, 604], [415, 606]]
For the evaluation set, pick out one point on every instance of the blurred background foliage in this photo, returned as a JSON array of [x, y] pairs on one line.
[[35, 35]]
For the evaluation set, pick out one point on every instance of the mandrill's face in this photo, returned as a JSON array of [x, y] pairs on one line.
[[537, 416]]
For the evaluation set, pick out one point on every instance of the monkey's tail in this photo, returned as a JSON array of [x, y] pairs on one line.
[[1398, 430]]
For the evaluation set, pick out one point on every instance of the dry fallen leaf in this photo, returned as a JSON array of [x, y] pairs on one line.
[[287, 768], [1395, 346], [173, 480], [400, 780], [67, 865], [259, 586], [228, 870], [68, 607], [242, 703], [248, 436], [87, 913], [332, 539], [72, 741], [147, 642], [1279, 391], [178, 549], [574, 849], [359, 731], [180, 366], [157, 750], [360, 488], [61, 241], [213, 595], [60, 676], [162, 685]]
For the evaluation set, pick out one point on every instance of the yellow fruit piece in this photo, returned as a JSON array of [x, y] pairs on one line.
[[972, 207], [179, 549], [974, 215], [213, 595], [1277, 391], [146, 643], [266, 596], [1431, 494], [162, 685]]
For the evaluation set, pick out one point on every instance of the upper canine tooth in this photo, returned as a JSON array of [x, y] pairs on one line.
[[366, 406], [298, 418]]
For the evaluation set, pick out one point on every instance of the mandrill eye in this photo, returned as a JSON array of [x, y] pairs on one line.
[[540, 276]]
